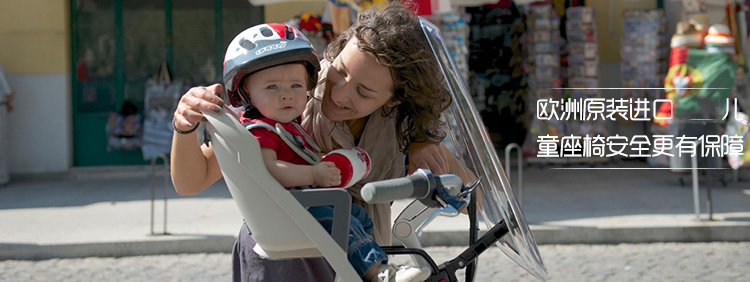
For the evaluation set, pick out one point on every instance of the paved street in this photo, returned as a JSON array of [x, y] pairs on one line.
[[717, 261]]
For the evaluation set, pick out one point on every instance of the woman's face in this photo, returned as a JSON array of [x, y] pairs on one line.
[[357, 85]]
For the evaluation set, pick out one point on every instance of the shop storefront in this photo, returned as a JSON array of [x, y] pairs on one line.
[[611, 58], [118, 45], [510, 53]]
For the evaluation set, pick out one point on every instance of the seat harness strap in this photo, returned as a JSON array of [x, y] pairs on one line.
[[293, 141]]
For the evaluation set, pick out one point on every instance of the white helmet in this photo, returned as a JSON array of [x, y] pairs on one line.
[[263, 46]]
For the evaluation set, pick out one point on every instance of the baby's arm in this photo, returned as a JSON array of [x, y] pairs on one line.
[[324, 174]]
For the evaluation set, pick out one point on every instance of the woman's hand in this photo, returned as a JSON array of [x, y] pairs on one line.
[[325, 174], [428, 155], [196, 100]]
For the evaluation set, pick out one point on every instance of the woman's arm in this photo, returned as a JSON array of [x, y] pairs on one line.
[[323, 174], [193, 166], [455, 166], [438, 159], [427, 155]]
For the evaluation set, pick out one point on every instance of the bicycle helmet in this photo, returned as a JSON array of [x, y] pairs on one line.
[[263, 46]]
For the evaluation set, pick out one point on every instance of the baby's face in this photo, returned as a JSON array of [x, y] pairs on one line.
[[280, 92]]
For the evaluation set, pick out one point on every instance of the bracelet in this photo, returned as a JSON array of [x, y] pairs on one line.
[[183, 132]]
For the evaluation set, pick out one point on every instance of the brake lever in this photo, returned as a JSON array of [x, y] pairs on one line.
[[470, 187]]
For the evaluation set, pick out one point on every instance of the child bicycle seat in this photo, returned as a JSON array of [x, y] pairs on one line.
[[280, 224]]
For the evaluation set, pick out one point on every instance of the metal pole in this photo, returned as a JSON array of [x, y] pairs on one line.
[[709, 207], [696, 196], [166, 191], [153, 192]]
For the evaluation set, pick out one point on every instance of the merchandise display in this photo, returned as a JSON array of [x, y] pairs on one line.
[[686, 35], [544, 52], [583, 69], [719, 39], [698, 82], [583, 52], [699, 85], [559, 105], [543, 63], [644, 57], [514, 56], [315, 29], [644, 50], [455, 31]]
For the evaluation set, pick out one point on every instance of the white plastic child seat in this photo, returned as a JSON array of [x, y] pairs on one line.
[[279, 222]]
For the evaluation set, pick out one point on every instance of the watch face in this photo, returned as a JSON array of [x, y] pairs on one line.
[[468, 140]]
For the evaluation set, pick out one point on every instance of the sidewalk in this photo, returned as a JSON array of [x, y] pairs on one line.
[[107, 213]]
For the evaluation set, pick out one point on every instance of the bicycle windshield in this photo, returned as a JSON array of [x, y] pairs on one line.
[[468, 139]]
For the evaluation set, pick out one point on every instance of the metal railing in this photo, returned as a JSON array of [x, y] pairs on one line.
[[696, 194], [153, 190]]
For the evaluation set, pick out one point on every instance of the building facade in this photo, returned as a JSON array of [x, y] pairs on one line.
[[73, 62]]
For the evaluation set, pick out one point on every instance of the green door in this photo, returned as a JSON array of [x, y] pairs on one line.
[[118, 45]]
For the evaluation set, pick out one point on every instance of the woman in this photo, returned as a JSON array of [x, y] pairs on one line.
[[380, 89]]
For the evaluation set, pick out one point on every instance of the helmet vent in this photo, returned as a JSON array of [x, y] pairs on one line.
[[266, 32], [247, 44], [289, 33]]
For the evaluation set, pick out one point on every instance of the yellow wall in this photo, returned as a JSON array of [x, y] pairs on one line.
[[284, 11], [35, 36], [609, 42]]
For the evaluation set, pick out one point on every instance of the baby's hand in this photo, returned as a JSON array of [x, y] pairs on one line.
[[325, 174]]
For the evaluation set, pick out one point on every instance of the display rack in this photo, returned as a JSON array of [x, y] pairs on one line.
[[544, 71], [455, 30], [644, 52], [544, 52], [563, 71]]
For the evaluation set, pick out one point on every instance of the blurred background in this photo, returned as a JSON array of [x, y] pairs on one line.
[[96, 81]]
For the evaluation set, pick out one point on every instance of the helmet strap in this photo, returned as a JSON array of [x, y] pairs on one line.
[[244, 98]]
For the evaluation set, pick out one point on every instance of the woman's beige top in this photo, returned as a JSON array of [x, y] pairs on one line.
[[378, 139]]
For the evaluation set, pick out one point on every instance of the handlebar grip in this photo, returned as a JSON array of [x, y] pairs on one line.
[[384, 191]]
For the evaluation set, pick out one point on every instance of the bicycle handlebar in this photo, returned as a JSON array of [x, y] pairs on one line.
[[416, 185]]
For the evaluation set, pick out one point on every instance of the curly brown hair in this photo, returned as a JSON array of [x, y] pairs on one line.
[[394, 36]]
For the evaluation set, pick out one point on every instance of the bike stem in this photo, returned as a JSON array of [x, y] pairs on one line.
[[473, 232], [469, 255]]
